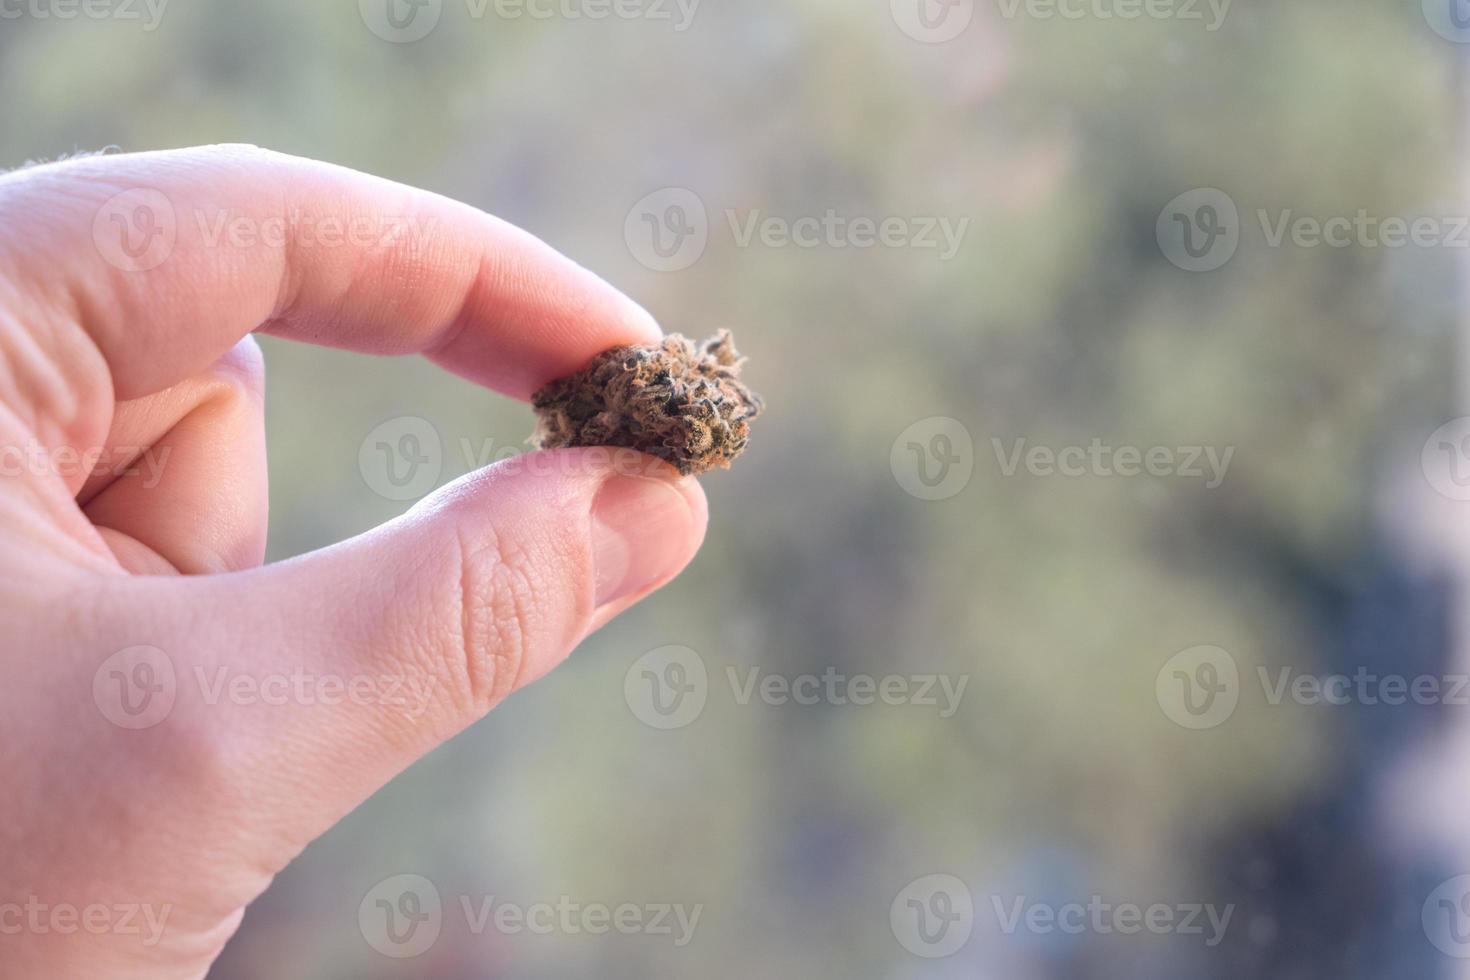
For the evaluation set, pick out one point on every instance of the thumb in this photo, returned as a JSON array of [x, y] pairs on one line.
[[393, 641]]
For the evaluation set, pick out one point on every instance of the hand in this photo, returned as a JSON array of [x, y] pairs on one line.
[[130, 780]]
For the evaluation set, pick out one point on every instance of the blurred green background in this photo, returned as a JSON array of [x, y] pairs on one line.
[[1062, 316]]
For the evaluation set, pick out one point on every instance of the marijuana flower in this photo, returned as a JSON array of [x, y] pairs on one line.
[[680, 402]]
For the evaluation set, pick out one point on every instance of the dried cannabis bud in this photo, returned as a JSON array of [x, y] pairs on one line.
[[680, 402]]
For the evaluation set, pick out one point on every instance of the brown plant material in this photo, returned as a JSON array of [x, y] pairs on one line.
[[681, 402]]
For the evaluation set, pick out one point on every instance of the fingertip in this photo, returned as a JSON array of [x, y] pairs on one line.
[[698, 506], [641, 324]]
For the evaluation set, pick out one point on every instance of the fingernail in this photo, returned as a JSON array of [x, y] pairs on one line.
[[641, 533]]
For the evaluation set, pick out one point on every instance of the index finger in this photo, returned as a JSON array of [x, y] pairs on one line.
[[165, 260]]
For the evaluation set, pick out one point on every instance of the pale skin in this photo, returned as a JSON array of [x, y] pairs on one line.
[[481, 588]]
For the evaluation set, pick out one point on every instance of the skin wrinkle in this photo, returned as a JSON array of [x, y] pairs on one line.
[[493, 589], [462, 319], [217, 391], [77, 545], [515, 625], [217, 402], [465, 607], [49, 370]]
